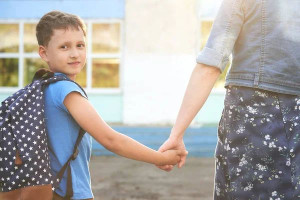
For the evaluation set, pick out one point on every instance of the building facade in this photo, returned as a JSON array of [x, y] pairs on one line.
[[140, 54]]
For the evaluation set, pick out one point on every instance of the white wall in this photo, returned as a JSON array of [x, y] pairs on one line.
[[159, 56], [154, 87]]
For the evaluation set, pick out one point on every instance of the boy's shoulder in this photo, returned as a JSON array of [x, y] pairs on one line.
[[64, 87], [64, 84]]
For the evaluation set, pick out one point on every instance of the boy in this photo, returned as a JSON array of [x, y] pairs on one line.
[[61, 39]]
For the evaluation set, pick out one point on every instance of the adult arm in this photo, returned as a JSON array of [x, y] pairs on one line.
[[211, 61], [199, 87]]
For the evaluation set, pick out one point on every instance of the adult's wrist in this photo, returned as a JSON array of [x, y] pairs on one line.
[[176, 135]]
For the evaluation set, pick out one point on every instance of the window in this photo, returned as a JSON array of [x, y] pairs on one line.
[[9, 44], [9, 34], [19, 57], [105, 55], [30, 42], [105, 72], [9, 72], [206, 26]]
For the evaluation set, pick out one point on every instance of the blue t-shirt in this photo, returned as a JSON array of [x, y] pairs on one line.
[[62, 134]]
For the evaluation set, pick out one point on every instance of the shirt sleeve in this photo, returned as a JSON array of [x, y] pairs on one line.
[[224, 33], [64, 88]]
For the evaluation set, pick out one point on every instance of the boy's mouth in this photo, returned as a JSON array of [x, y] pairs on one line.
[[74, 63]]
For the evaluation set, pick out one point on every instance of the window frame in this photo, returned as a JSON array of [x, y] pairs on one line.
[[21, 55]]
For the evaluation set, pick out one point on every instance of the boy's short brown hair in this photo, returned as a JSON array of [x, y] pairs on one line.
[[56, 20]]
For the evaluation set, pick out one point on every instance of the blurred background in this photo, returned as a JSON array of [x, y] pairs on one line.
[[140, 57]]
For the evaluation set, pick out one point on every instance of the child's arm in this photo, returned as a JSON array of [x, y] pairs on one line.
[[87, 117], [200, 85]]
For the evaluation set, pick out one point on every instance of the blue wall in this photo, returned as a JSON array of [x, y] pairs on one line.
[[200, 142], [211, 112], [109, 106], [34, 9]]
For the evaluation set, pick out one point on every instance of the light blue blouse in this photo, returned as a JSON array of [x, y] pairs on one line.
[[263, 37]]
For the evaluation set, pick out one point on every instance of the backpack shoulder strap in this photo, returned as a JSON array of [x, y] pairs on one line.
[[66, 166]]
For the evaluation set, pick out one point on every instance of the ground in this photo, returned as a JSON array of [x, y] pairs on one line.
[[116, 178]]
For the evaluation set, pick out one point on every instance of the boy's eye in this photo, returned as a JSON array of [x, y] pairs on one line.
[[81, 45], [64, 47]]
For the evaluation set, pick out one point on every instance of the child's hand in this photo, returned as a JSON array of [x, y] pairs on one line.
[[171, 157], [173, 143]]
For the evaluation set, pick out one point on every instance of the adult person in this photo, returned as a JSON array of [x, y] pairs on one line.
[[258, 134]]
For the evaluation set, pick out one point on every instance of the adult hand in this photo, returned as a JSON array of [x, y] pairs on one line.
[[173, 143]]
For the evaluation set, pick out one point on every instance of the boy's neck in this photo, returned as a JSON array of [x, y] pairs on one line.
[[71, 77]]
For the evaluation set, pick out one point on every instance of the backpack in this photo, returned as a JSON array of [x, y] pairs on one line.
[[24, 159]]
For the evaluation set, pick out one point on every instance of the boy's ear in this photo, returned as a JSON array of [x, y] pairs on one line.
[[43, 53]]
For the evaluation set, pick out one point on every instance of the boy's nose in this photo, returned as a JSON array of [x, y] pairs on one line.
[[74, 53]]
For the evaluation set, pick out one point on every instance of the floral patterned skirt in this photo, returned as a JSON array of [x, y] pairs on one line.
[[258, 150]]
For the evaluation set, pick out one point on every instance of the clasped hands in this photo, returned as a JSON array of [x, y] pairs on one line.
[[173, 143]]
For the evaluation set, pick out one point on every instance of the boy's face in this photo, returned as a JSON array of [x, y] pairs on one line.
[[65, 52]]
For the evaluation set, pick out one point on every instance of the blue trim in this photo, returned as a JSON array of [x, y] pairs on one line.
[[35, 9]]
